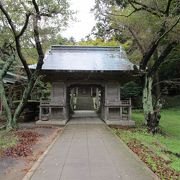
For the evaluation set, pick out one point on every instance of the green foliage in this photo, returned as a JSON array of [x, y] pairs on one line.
[[152, 27], [98, 42], [41, 89], [169, 73], [30, 23], [130, 90], [31, 54], [118, 19], [55, 15], [171, 101]]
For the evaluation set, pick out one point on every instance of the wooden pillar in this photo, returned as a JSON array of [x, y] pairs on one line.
[[97, 97], [102, 103], [50, 110], [40, 112], [77, 91], [121, 112]]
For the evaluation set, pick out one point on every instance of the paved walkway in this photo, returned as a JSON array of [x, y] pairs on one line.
[[85, 117], [90, 152]]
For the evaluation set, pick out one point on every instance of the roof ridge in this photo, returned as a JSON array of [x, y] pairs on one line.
[[77, 47]]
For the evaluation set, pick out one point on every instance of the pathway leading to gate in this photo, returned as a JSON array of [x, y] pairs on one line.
[[90, 152]]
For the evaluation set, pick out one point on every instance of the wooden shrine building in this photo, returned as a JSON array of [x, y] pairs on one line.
[[86, 78]]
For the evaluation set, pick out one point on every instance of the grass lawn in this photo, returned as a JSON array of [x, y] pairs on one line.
[[166, 144], [7, 139]]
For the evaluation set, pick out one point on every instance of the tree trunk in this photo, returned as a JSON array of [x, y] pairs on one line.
[[24, 99], [6, 106], [12, 117], [157, 87], [152, 116], [147, 97], [156, 76]]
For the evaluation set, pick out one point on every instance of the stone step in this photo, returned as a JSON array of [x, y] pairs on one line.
[[84, 103]]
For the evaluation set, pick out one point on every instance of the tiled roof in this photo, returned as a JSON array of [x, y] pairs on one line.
[[86, 58]]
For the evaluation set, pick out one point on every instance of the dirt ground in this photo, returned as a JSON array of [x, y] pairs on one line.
[[15, 168]]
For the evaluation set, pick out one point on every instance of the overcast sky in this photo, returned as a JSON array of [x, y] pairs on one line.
[[85, 19]]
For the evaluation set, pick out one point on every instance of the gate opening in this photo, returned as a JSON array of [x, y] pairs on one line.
[[85, 100]]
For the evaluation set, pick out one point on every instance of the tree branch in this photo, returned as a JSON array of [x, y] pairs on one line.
[[6, 66], [155, 44], [137, 41], [175, 81], [23, 60], [162, 57], [170, 29], [17, 37], [36, 7], [168, 7], [25, 25], [34, 76], [136, 9], [146, 8], [37, 37], [121, 15], [8, 19]]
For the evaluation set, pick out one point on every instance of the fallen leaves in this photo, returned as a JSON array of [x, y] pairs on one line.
[[157, 164], [24, 146], [160, 165]]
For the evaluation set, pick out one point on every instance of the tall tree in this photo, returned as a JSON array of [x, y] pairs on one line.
[[153, 27], [22, 18]]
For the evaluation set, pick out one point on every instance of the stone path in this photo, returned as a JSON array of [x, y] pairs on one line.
[[90, 152], [85, 117]]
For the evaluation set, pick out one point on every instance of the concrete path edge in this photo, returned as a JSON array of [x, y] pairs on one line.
[[36, 164]]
